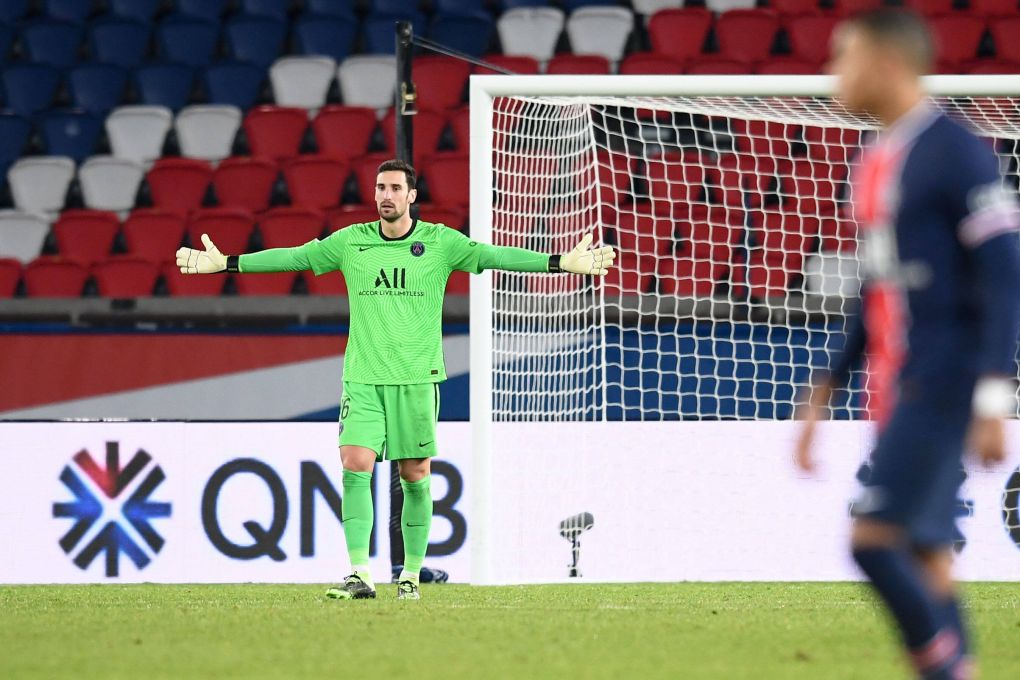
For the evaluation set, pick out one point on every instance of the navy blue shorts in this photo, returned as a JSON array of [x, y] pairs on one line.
[[916, 471]]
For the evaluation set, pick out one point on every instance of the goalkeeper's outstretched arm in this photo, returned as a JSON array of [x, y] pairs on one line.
[[212, 261], [581, 259]]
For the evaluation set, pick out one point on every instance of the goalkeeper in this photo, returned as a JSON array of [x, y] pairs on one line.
[[396, 270]]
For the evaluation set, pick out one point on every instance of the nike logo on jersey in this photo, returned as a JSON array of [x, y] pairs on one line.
[[362, 249], [425, 444]]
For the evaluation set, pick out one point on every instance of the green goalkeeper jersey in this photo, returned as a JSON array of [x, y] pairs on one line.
[[396, 288]]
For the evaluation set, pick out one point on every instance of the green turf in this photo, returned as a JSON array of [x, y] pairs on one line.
[[759, 631]]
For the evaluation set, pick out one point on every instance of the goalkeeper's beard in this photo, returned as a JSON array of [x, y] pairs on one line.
[[392, 218]]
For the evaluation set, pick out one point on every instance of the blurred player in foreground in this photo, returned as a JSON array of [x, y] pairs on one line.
[[938, 323], [396, 270]]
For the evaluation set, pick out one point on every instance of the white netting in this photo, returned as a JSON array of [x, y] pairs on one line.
[[737, 250]]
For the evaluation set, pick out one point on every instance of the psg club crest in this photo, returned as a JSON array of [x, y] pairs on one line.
[[417, 248]]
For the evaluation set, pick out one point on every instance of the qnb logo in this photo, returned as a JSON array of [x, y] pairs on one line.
[[111, 509]]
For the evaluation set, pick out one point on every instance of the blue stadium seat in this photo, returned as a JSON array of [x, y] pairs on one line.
[[12, 10], [326, 35], [397, 7], [68, 10], [467, 33], [165, 84], [14, 132], [380, 37], [51, 41], [235, 83], [124, 42], [570, 5], [142, 10], [70, 133], [277, 9], [6, 39], [258, 40], [333, 8], [97, 87], [511, 4], [187, 40], [29, 88], [459, 6], [204, 9]]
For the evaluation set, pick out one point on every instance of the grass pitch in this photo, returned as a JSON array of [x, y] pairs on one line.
[[726, 631]]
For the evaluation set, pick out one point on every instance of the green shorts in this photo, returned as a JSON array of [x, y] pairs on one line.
[[395, 421]]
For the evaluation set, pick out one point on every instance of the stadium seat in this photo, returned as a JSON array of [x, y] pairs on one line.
[[679, 33], [448, 180], [86, 236], [229, 228], [600, 30], [809, 36], [459, 283], [12, 10], [97, 87], [109, 183], [207, 131], [14, 132], [365, 171], [786, 66], [39, 183], [162, 84], [427, 126], [187, 40], [140, 10], [255, 39], [832, 145], [650, 62], [746, 34], [460, 127], [649, 7], [469, 33], [235, 83], [70, 133], [848, 7], [1006, 34], [29, 88], [279, 283], [332, 283], [530, 31], [440, 81], [6, 41], [190, 285], [344, 131], [55, 277], [673, 181], [368, 80], [957, 36], [993, 8], [993, 67], [452, 217], [202, 9], [514, 64], [245, 182], [75, 11], [630, 276], [302, 81], [346, 215], [22, 235], [583, 64], [276, 9], [275, 131], [328, 36], [377, 34], [179, 183], [315, 181], [10, 274], [689, 277], [332, 8], [288, 227], [125, 276], [931, 7], [460, 6], [154, 234], [137, 133], [124, 42], [52, 42], [714, 66]]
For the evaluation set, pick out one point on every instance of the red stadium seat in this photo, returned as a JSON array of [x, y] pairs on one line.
[[995, 8], [790, 7], [782, 66], [154, 234], [674, 180], [993, 67], [767, 278], [713, 66], [55, 277], [810, 35], [832, 145], [746, 34], [459, 283], [191, 285], [513, 63], [316, 181], [125, 276], [345, 216], [344, 131], [427, 128], [957, 36], [366, 170], [679, 33], [280, 283], [630, 276], [615, 172], [450, 216], [848, 7], [460, 126], [245, 182], [1006, 34], [448, 179], [229, 228], [179, 183], [86, 236], [650, 62], [10, 274], [275, 131], [332, 283], [687, 277], [288, 227], [930, 7], [440, 81], [578, 64], [764, 138], [643, 234]]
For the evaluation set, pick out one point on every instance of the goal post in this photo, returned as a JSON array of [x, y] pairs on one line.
[[728, 200]]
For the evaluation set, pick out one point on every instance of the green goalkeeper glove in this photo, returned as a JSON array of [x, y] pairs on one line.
[[580, 260], [208, 261]]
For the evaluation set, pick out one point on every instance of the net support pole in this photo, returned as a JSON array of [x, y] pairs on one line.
[[407, 98]]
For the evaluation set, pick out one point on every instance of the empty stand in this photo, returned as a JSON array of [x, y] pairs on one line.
[[55, 277], [187, 40], [302, 81], [29, 88], [245, 182], [315, 181], [178, 183], [441, 81], [587, 64], [154, 234], [368, 80], [234, 83], [467, 32], [207, 132], [530, 31], [275, 131], [52, 41], [327, 36], [448, 180], [256, 39], [679, 33], [39, 183], [22, 235], [600, 30], [120, 41], [137, 133], [191, 285], [86, 236], [165, 84], [344, 131], [125, 276], [288, 227], [229, 228], [97, 87], [110, 183], [10, 275]]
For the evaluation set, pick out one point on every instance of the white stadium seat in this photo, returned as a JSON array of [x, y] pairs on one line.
[[650, 7], [110, 183], [39, 183], [600, 30], [832, 275], [368, 80], [22, 235], [530, 31], [725, 5], [137, 133], [302, 81], [207, 131]]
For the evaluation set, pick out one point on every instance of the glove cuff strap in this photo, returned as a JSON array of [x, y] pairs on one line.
[[233, 263], [554, 264]]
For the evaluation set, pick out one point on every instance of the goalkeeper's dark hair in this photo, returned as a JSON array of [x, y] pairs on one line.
[[401, 166], [901, 29]]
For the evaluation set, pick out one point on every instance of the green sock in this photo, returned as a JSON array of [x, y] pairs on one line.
[[416, 520], [357, 517]]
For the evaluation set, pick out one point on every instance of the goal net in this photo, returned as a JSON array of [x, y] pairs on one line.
[[729, 203]]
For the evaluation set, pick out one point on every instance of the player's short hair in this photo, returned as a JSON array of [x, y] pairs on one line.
[[401, 166], [900, 29]]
